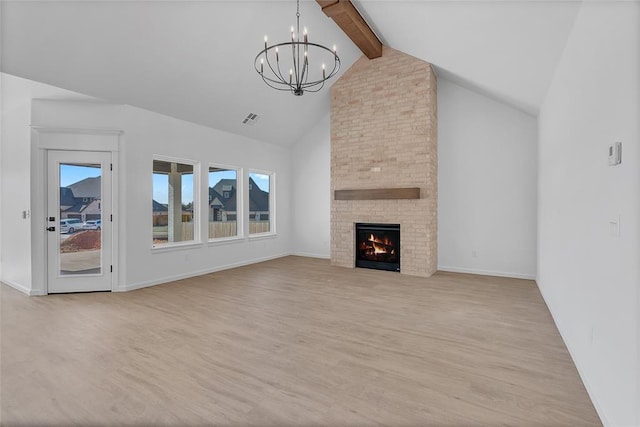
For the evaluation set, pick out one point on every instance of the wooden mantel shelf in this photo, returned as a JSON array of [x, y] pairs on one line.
[[378, 194]]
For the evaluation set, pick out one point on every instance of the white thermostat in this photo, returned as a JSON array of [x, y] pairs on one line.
[[615, 153]]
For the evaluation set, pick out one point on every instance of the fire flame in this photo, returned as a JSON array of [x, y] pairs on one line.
[[377, 249], [376, 245]]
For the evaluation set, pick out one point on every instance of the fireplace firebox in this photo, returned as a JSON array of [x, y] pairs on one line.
[[378, 246]]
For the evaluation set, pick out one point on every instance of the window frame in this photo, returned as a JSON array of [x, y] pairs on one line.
[[272, 204], [197, 235], [240, 234]]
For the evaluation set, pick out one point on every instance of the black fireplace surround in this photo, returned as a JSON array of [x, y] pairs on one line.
[[378, 246]]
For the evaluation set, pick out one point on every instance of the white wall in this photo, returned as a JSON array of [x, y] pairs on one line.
[[15, 244], [14, 167], [145, 134], [487, 186], [487, 172], [589, 277], [311, 170]]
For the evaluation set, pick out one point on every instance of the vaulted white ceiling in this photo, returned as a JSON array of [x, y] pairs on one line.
[[194, 60], [507, 49]]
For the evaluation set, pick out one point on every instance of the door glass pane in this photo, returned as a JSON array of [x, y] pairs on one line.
[[80, 220]]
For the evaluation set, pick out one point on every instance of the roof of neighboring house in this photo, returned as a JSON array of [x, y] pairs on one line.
[[66, 197], [258, 199], [224, 185], [216, 203], [76, 208], [219, 201], [159, 207], [87, 188]]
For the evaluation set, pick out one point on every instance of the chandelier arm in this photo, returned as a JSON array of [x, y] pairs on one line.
[[317, 82], [274, 81], [307, 78], [316, 89], [279, 73], [270, 79], [265, 51], [275, 87], [305, 66], [336, 67], [295, 63]]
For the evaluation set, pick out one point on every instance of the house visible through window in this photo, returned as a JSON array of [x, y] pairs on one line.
[[173, 213], [223, 202], [260, 195]]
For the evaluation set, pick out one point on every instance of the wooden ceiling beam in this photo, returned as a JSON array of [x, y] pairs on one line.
[[344, 13]]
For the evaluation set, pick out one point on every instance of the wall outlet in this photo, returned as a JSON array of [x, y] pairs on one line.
[[474, 254]]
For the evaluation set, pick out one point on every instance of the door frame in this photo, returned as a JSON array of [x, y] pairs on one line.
[[83, 281], [69, 139]]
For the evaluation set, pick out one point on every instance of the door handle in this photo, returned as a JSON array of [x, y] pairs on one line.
[[51, 229]]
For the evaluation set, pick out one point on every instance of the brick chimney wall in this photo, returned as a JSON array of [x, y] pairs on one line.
[[384, 135]]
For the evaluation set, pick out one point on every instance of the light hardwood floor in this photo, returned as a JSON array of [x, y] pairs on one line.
[[292, 341]]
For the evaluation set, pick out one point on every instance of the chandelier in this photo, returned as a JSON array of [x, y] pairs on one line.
[[296, 56]]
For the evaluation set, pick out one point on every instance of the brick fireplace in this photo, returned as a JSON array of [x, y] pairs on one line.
[[384, 139]]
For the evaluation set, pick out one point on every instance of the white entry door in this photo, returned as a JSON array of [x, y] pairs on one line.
[[79, 221]]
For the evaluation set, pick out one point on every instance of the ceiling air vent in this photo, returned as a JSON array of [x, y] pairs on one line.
[[250, 120]]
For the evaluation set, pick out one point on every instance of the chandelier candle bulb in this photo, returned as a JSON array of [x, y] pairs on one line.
[[265, 42]]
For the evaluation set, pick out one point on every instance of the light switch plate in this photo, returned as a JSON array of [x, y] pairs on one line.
[[614, 227], [615, 154]]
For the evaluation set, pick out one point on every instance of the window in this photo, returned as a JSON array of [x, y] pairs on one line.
[[261, 202], [174, 204], [223, 202]]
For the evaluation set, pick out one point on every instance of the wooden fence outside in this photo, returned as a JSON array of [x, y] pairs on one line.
[[217, 229]]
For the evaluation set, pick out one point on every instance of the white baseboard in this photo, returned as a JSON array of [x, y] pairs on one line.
[[310, 255], [146, 284], [25, 290], [486, 272], [590, 391]]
